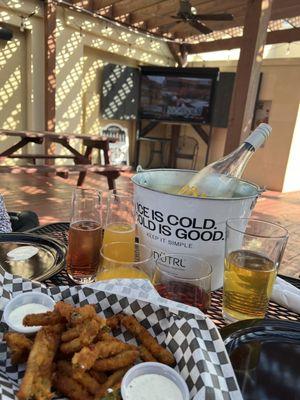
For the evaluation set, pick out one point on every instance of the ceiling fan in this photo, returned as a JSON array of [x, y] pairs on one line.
[[188, 13]]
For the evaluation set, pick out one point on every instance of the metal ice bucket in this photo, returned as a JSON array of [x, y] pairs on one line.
[[170, 223]]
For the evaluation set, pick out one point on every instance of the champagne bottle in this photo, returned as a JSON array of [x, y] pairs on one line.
[[220, 178]]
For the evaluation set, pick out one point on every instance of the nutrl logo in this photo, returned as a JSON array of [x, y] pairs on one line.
[[170, 261]]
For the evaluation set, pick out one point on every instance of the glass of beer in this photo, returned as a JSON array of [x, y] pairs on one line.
[[115, 263], [85, 235], [120, 222], [253, 252], [184, 278]]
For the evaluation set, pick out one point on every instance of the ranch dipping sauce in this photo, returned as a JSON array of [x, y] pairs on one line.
[[152, 387], [16, 316]]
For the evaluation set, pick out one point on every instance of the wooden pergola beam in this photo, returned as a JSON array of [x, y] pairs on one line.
[[283, 36], [179, 53], [248, 72]]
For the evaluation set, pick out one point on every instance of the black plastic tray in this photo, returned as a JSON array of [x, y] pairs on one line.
[[265, 355], [49, 260]]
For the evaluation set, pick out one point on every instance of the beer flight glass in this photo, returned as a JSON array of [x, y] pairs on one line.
[[253, 252], [119, 224], [184, 278], [85, 235], [115, 263]]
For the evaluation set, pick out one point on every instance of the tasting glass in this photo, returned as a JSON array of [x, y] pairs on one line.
[[85, 235], [119, 225], [184, 278], [253, 252], [115, 263]]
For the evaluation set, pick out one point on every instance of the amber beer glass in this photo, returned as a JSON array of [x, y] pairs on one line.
[[253, 253], [85, 235]]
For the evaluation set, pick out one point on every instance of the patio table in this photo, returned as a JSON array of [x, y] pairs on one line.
[[82, 160], [275, 311]]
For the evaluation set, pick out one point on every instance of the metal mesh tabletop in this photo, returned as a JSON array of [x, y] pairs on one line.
[[275, 311]]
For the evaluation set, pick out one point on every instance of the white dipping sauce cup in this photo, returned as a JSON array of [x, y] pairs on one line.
[[21, 300], [155, 368]]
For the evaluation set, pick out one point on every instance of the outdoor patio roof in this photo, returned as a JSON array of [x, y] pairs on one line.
[[254, 24], [156, 17]]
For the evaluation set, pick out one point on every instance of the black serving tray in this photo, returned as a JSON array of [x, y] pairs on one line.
[[265, 355], [49, 260]]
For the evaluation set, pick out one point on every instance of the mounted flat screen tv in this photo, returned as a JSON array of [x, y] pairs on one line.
[[177, 94]]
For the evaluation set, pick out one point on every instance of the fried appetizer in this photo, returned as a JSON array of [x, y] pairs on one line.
[[88, 331], [113, 322], [64, 309], [101, 322], [137, 330], [112, 382], [70, 334], [74, 332], [121, 360], [37, 381], [43, 319], [146, 355], [80, 314], [85, 379], [100, 377], [71, 388], [106, 337], [19, 346], [86, 358]]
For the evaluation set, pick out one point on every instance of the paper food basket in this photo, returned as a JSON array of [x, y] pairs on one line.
[[192, 337]]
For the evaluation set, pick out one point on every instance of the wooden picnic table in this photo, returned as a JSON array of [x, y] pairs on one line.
[[82, 161]]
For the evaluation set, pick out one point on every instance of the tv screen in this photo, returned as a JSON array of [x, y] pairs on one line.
[[177, 94]]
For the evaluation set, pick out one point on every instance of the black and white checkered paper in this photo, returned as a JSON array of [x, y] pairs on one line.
[[191, 336]]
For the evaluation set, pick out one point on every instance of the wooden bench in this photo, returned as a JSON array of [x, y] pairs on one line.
[[34, 157], [112, 172]]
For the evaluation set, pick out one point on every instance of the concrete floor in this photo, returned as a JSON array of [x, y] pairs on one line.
[[50, 198]]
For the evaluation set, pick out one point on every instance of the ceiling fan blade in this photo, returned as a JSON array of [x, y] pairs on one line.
[[200, 27], [176, 17], [214, 17]]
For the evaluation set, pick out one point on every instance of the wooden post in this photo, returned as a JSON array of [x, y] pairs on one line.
[[175, 133], [247, 77], [50, 76], [179, 53]]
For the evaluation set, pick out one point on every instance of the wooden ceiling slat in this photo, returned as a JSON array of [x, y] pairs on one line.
[[287, 12], [100, 4], [130, 6], [283, 36]]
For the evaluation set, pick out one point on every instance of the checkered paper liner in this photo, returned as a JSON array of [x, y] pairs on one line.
[[192, 337]]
